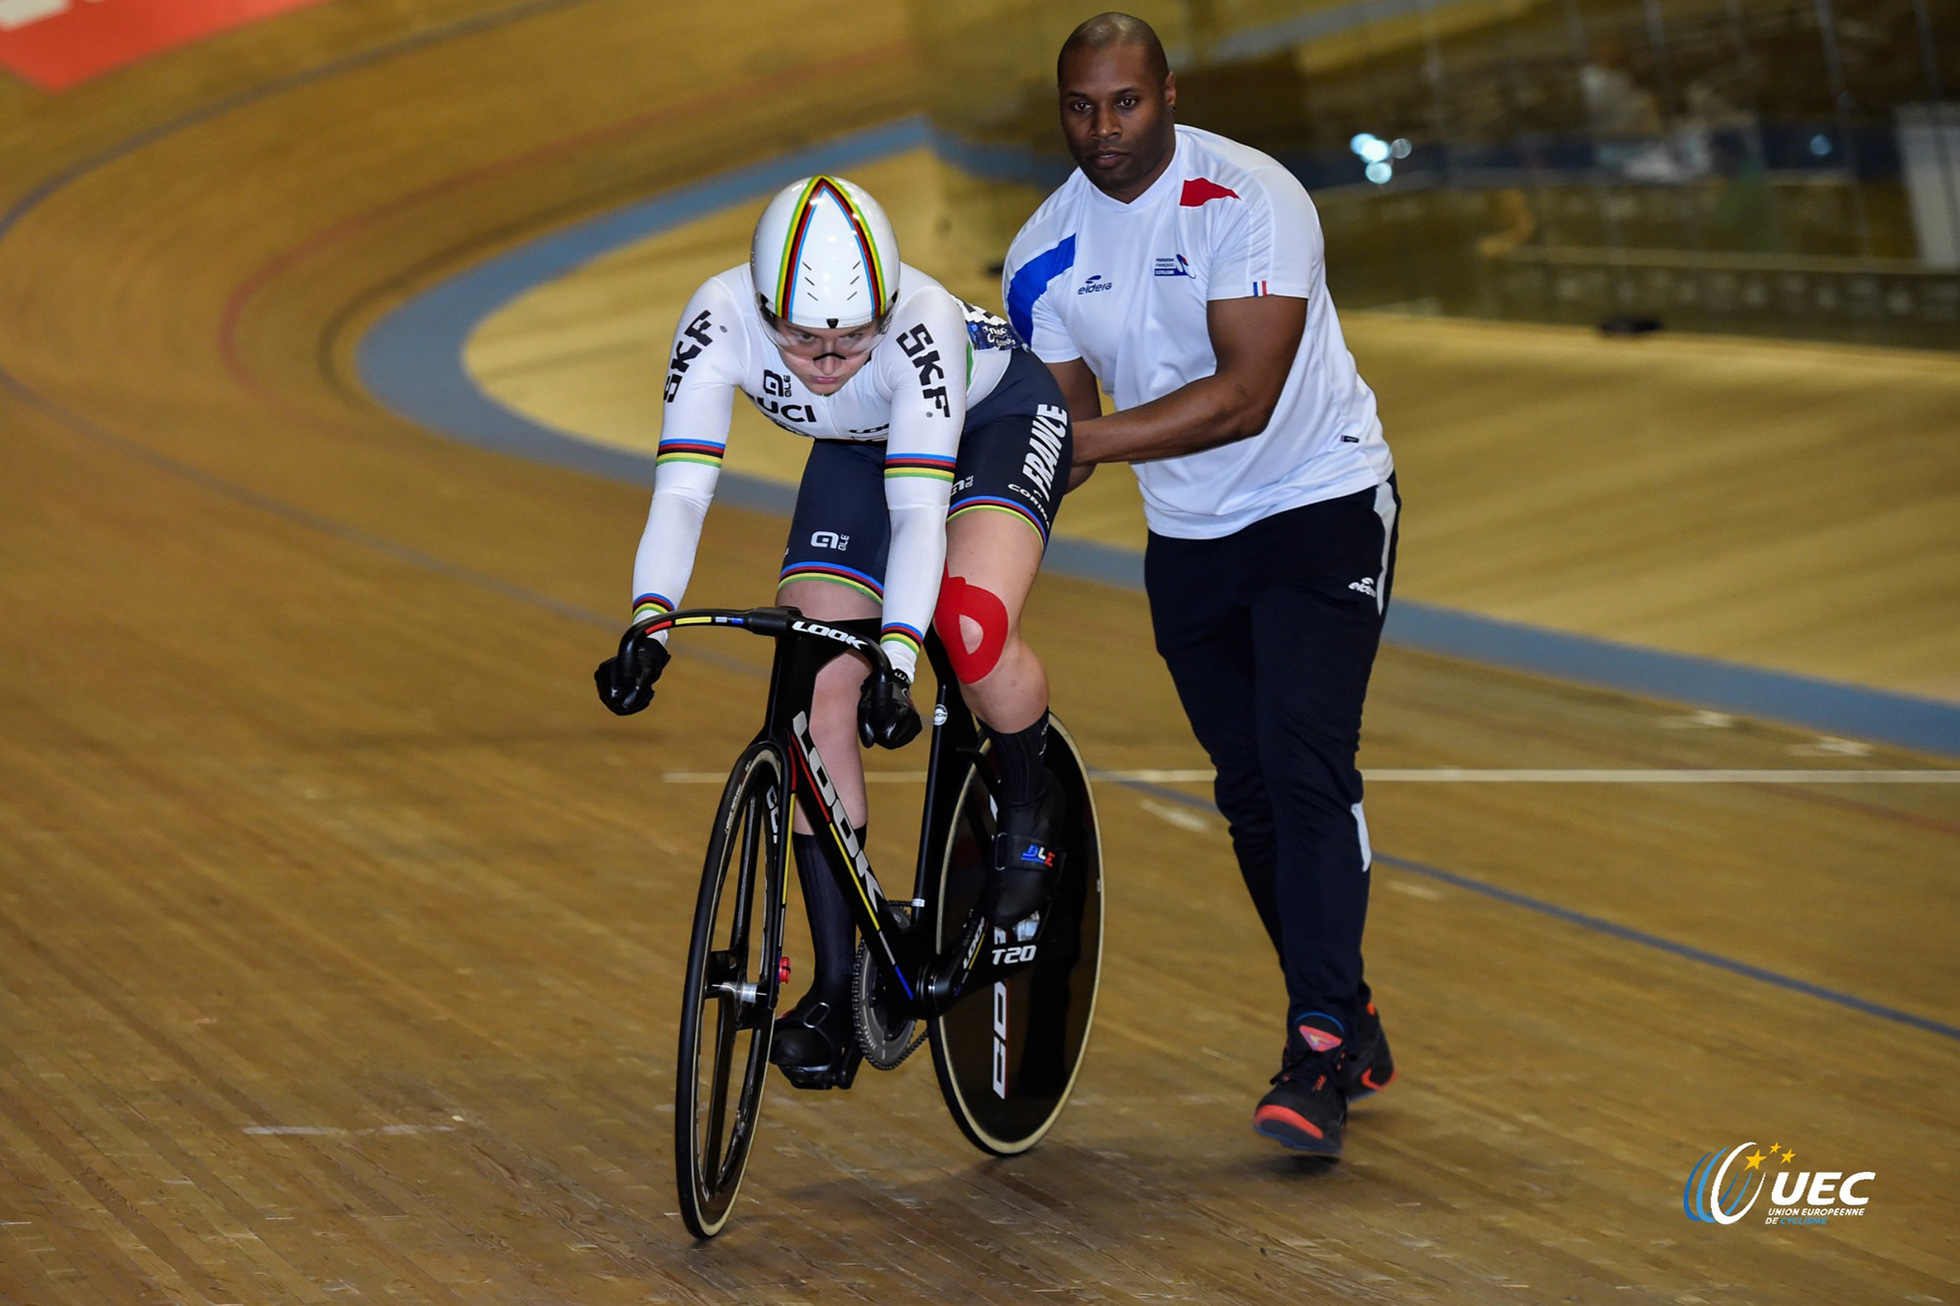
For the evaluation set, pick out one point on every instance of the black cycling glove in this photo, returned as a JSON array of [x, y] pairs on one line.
[[886, 716], [626, 681]]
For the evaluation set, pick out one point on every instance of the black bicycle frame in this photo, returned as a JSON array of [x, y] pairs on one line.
[[900, 944]]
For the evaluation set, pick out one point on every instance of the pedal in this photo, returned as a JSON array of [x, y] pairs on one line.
[[810, 1049], [818, 1078]]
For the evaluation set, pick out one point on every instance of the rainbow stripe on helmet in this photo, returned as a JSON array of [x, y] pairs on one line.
[[799, 227]]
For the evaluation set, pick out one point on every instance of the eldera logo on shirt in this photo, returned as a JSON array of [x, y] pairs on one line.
[[1094, 284], [1721, 1191]]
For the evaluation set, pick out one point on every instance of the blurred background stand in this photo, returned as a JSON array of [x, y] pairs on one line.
[[1929, 150]]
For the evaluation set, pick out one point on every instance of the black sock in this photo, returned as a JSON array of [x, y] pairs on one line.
[[1019, 758], [832, 930]]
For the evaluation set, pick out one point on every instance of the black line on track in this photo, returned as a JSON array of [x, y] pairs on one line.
[[1613, 929]]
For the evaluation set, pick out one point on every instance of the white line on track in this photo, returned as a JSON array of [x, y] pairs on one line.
[[1467, 775]]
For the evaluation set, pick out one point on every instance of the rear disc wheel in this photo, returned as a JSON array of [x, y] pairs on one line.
[[1007, 1054]]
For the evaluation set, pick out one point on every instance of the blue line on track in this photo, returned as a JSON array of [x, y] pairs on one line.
[[284, 511], [218, 485], [412, 360], [1100, 562], [128, 146], [215, 484], [1826, 705], [1600, 925]]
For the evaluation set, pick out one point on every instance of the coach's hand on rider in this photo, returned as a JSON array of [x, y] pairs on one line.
[[886, 716], [626, 681]]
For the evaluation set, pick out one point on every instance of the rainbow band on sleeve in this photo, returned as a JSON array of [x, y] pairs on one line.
[[932, 466], [649, 606], [898, 632], [992, 503], [705, 452], [799, 227], [837, 574]]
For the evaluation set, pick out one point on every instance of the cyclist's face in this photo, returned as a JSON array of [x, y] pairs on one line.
[[1116, 116], [824, 358]]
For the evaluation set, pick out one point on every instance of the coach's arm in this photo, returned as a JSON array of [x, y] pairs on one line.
[[1254, 341], [1082, 393]]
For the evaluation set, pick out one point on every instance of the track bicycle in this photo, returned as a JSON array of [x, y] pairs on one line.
[[1007, 1015]]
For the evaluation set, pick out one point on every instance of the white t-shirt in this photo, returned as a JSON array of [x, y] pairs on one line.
[[1124, 288], [939, 356]]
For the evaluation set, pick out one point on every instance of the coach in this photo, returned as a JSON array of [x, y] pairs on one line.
[[1185, 273]]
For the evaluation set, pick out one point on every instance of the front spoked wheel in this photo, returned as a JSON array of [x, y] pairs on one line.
[[728, 1005], [1008, 1051]]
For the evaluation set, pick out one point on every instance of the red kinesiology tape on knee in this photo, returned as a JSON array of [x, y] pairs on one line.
[[983, 608]]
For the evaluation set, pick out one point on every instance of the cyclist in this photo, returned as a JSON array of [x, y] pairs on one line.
[[940, 451]]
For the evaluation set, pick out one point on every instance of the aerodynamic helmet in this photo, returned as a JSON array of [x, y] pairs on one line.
[[824, 257]]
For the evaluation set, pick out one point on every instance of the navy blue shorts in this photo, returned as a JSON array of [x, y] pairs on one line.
[[1008, 461]]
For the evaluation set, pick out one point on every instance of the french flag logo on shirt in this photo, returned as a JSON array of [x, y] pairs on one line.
[[1200, 191]]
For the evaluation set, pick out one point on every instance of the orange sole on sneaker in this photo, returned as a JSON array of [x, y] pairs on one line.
[[1290, 1129]]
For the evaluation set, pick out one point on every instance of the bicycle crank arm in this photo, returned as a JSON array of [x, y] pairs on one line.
[[947, 980], [983, 955]]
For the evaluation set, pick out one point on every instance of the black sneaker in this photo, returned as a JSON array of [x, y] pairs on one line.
[[1307, 1107], [1369, 1067], [1027, 861], [815, 1046]]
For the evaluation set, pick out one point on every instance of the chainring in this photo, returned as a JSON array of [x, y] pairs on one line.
[[885, 1043]]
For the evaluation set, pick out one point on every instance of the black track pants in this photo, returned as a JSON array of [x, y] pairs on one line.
[[1270, 634]]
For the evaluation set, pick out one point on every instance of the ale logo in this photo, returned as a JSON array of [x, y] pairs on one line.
[[1724, 1187]]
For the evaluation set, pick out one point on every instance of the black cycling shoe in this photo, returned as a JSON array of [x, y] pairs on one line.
[[814, 1045], [1027, 861]]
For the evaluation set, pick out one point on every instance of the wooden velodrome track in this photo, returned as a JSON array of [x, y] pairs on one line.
[[340, 930]]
